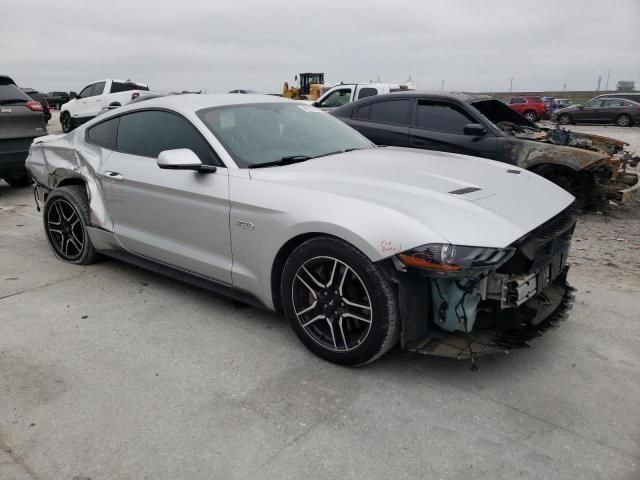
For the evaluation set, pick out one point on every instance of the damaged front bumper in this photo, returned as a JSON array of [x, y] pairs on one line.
[[497, 310], [505, 330]]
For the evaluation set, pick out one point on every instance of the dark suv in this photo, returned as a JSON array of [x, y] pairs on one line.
[[57, 99], [589, 167], [21, 120]]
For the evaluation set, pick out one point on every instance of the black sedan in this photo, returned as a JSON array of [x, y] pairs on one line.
[[620, 111], [482, 126]]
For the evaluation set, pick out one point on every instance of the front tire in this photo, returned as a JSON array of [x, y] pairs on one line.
[[564, 119], [339, 303], [530, 115], [623, 120], [65, 218], [67, 122]]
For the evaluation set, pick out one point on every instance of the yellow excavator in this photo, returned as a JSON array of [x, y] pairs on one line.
[[310, 87]]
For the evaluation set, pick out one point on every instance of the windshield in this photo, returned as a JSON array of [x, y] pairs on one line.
[[268, 132], [501, 115]]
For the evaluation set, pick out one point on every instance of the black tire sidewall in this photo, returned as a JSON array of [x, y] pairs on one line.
[[66, 116], [73, 195], [623, 116], [567, 116], [383, 333], [530, 113]]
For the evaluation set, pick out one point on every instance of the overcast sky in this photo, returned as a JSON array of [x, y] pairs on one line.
[[221, 45]]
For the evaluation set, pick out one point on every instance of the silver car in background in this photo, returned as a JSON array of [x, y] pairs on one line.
[[281, 205]]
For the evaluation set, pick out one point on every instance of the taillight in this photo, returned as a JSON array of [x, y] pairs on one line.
[[34, 106], [135, 95]]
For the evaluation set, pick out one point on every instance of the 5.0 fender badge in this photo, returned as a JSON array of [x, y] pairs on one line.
[[5, 110], [245, 225]]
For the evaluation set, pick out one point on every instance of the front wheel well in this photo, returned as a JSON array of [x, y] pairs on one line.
[[281, 258]]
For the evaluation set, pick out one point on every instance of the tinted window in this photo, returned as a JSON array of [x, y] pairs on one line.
[[150, 132], [517, 100], [126, 86], [534, 99], [441, 116], [104, 134], [367, 92], [391, 111], [98, 88], [86, 91], [10, 94], [337, 98], [363, 112]]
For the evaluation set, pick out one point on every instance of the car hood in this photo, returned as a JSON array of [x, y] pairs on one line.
[[464, 200]]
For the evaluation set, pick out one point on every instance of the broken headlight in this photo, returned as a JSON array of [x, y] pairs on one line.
[[453, 260]]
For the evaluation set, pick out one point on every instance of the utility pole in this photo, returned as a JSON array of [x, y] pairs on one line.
[[511, 85], [606, 87], [564, 87], [599, 82], [442, 87]]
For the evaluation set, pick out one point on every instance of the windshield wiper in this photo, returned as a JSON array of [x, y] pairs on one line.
[[288, 160]]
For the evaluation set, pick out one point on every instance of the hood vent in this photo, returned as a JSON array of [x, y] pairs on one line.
[[463, 191]]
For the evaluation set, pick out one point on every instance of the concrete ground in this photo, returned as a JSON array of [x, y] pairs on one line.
[[112, 372]]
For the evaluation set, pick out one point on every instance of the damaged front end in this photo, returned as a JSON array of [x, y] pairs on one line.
[[616, 182], [603, 162], [486, 300]]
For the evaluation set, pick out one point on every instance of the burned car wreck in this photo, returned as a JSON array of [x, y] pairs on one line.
[[281, 206], [591, 167]]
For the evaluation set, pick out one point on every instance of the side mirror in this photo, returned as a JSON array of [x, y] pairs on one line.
[[474, 129], [182, 159], [73, 95], [315, 104]]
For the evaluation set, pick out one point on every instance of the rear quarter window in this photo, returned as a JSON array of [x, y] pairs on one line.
[[104, 134]]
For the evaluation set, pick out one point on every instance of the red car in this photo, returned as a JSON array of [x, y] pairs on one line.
[[532, 108]]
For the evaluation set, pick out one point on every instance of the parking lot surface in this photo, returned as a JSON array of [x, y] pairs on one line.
[[112, 372]]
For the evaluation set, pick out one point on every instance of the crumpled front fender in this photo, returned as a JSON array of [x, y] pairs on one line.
[[529, 154]]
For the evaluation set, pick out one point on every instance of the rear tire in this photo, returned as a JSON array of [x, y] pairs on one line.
[[530, 115], [65, 218], [67, 122], [564, 119], [623, 120], [340, 304], [19, 181]]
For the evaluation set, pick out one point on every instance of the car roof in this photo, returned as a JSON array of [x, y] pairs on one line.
[[7, 79], [198, 101], [459, 96]]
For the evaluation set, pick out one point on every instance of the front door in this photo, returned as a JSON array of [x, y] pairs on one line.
[[439, 125], [591, 111], [177, 217]]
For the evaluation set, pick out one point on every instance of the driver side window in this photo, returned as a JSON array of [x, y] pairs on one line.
[[592, 103], [337, 98], [86, 91]]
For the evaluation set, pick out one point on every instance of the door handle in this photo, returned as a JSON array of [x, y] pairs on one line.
[[114, 176]]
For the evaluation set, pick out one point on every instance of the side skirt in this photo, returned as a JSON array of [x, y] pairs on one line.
[[106, 243]]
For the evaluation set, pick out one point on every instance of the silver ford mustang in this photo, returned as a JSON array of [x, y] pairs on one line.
[[278, 204]]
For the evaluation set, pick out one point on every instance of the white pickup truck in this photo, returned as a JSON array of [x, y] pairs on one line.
[[92, 98], [350, 92]]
